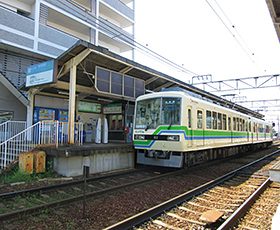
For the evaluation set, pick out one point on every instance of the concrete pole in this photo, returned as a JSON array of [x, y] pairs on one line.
[[72, 104]]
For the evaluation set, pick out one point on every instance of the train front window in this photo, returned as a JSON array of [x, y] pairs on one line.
[[148, 114], [171, 111], [151, 113]]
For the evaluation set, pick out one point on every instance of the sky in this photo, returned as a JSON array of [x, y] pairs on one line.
[[189, 33]]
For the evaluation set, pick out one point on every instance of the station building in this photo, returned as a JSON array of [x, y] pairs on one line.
[[33, 31]]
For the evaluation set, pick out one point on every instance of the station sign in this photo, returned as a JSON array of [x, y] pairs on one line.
[[112, 108], [89, 107], [42, 73]]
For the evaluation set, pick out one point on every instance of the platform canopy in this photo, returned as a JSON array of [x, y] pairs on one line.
[[274, 9], [101, 74]]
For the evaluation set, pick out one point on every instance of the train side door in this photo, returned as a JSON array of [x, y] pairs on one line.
[[199, 127], [190, 126]]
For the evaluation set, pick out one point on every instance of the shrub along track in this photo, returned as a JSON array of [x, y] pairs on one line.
[[106, 209]]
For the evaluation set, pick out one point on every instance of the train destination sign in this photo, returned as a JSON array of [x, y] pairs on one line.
[[40, 74]]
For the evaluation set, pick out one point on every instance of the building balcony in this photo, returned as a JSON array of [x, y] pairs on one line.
[[19, 31], [115, 31], [77, 21], [118, 6]]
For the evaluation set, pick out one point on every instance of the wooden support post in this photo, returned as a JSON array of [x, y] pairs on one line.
[[72, 104]]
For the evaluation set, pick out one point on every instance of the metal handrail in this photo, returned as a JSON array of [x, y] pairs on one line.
[[9, 129], [53, 133]]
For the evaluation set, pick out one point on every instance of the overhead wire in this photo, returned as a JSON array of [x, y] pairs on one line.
[[243, 45], [132, 42], [234, 27]]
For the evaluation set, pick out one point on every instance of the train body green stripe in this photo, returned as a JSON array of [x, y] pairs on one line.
[[193, 133]]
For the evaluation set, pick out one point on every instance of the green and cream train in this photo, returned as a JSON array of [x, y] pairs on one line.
[[178, 129]]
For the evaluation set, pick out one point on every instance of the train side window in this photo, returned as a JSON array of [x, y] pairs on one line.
[[243, 124], [208, 120], [250, 126], [199, 119], [214, 118], [237, 124], [219, 121], [229, 123], [234, 124], [224, 122], [189, 118]]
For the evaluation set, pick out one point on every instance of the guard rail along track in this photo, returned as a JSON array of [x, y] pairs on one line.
[[222, 199]]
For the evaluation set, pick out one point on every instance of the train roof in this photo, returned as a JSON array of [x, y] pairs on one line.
[[197, 97]]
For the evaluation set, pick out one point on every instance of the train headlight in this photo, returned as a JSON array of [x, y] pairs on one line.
[[139, 137], [173, 138]]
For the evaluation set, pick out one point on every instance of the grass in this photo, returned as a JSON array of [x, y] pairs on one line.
[[16, 175]]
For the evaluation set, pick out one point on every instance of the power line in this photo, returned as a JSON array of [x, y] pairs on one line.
[[233, 27], [115, 34], [244, 48]]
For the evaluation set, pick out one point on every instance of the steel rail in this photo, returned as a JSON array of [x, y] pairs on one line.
[[231, 221], [167, 205], [60, 185], [8, 215]]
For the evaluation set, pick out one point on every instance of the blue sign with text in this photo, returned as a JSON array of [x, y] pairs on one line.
[[39, 74]]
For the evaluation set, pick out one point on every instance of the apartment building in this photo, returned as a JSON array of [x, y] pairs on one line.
[[36, 30]]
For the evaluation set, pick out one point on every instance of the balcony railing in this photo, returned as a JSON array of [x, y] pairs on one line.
[[121, 7]]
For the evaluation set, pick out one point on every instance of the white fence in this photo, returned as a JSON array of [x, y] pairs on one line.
[[9, 129], [51, 133]]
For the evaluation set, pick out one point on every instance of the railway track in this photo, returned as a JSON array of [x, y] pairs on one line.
[[260, 213], [34, 199], [213, 205]]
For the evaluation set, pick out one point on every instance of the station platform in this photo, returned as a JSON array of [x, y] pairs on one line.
[[274, 172], [276, 219], [69, 160]]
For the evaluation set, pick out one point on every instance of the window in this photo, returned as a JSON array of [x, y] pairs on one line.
[[103, 82], [199, 119], [220, 121], [189, 118], [116, 83], [170, 111], [224, 122], [234, 124], [128, 86], [214, 120], [250, 126], [229, 123], [151, 113], [208, 120], [237, 124], [148, 114]]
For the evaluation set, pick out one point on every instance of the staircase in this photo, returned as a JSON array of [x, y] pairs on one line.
[[51, 133], [9, 129]]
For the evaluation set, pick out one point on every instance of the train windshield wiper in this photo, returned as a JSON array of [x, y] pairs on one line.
[[169, 125], [148, 126]]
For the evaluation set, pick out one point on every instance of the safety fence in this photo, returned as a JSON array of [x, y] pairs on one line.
[[43, 133], [9, 129]]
